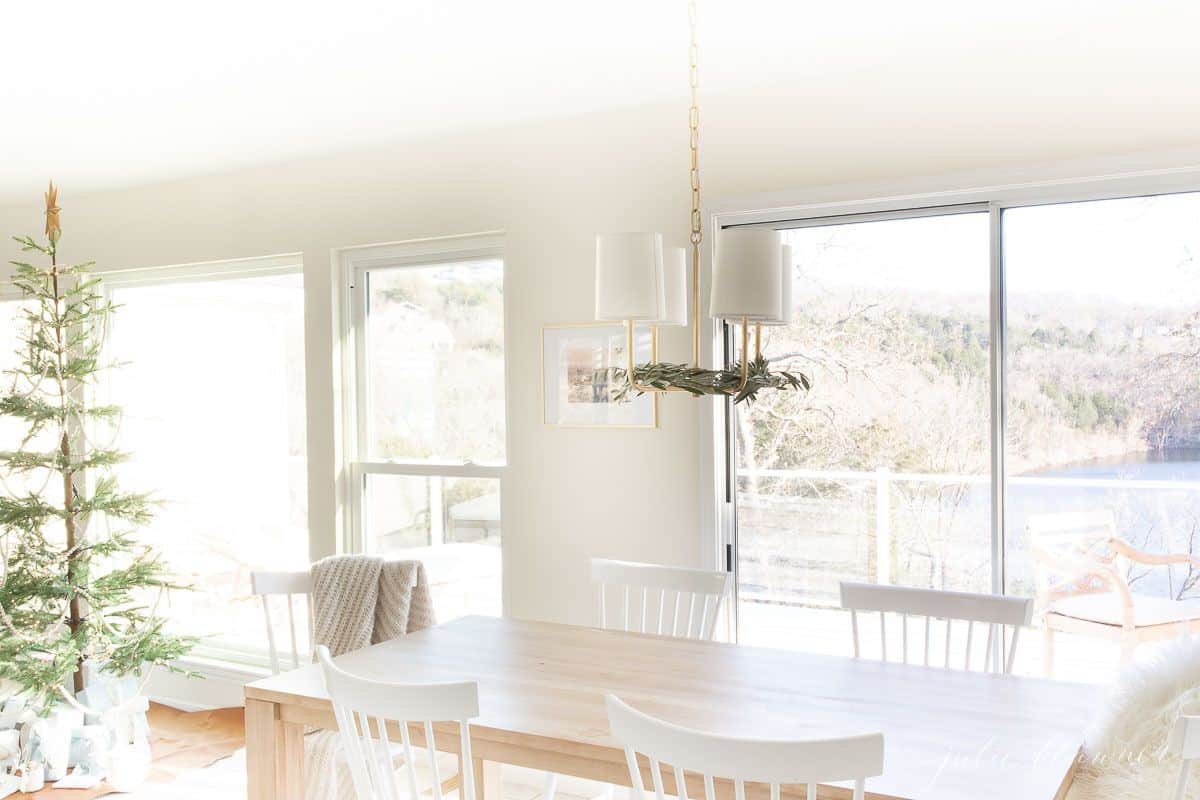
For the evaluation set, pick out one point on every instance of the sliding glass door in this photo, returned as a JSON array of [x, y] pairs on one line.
[[884, 471], [881, 472]]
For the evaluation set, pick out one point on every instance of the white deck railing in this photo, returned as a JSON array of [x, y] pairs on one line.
[[883, 479]]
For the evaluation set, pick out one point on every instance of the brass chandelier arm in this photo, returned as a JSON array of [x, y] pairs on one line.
[[745, 354], [631, 374], [631, 368]]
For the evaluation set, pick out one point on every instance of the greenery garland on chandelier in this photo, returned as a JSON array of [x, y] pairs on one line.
[[698, 382], [74, 580]]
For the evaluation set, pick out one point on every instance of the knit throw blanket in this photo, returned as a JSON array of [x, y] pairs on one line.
[[364, 600], [1126, 751], [359, 601]]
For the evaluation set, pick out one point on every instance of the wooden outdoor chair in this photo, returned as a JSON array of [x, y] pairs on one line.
[[1081, 587]]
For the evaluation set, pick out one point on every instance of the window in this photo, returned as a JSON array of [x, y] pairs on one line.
[[894, 468], [428, 335], [213, 395]]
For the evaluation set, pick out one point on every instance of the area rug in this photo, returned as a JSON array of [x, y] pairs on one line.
[[183, 744]]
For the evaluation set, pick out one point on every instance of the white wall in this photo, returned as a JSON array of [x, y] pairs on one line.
[[551, 186]]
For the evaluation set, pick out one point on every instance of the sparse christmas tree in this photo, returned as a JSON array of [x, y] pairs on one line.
[[76, 586]]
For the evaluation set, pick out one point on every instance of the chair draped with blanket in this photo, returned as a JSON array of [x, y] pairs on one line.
[[357, 601]]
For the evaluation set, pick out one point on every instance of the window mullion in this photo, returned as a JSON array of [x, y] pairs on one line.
[[997, 388]]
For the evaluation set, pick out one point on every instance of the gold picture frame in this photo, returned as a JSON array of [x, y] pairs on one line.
[[574, 392]]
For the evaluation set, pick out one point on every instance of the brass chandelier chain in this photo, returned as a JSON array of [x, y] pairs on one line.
[[694, 145]]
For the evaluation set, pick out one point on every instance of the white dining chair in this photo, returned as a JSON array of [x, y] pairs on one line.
[[654, 598], [1185, 743], [679, 750], [680, 602], [287, 589], [997, 612], [372, 714]]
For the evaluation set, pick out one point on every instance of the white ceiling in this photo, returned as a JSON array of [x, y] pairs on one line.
[[122, 92]]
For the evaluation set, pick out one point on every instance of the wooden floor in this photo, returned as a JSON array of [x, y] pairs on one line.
[[180, 741]]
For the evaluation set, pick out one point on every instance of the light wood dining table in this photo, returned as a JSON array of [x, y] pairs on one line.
[[948, 734]]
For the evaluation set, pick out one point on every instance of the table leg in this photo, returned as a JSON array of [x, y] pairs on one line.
[[487, 780], [289, 761], [261, 766], [274, 754]]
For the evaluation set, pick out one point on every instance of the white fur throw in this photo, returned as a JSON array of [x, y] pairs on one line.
[[358, 601], [1126, 749]]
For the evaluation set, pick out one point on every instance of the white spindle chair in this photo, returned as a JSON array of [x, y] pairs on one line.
[[658, 599], [995, 611], [370, 714], [288, 586], [663, 600], [1185, 743], [776, 762]]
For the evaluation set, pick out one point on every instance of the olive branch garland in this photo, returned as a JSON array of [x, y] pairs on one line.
[[699, 382]]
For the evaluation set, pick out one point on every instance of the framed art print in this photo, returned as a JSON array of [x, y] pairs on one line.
[[578, 389]]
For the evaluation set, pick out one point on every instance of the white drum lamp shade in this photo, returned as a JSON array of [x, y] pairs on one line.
[[746, 275], [629, 277], [675, 284], [785, 294]]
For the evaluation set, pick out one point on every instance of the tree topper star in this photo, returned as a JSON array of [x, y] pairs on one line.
[[53, 226]]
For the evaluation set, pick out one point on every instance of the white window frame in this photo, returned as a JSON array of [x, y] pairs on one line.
[[206, 653], [908, 198], [355, 263]]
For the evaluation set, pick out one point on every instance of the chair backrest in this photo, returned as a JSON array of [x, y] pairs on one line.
[[1057, 540], [654, 598], [995, 611], [370, 715], [1185, 743], [287, 587], [777, 762]]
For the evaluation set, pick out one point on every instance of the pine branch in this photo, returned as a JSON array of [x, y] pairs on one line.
[[27, 243], [26, 513]]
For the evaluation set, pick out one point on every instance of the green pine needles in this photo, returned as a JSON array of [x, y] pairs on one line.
[[76, 586]]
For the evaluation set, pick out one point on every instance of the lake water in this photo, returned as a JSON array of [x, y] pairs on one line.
[[1173, 464]]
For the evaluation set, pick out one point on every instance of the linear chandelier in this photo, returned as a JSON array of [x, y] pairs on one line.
[[638, 280]]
